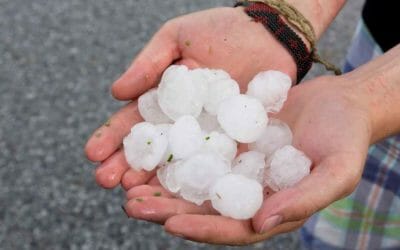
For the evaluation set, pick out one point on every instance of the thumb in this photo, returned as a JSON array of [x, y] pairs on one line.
[[148, 66], [332, 179]]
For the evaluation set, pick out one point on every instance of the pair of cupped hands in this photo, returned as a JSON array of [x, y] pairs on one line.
[[327, 121]]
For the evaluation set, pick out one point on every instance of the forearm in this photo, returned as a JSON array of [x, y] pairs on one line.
[[377, 85], [319, 12]]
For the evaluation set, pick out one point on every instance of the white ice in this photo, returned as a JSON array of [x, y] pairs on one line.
[[145, 146], [243, 118], [149, 108], [276, 135], [185, 137], [286, 167], [271, 88], [181, 93], [237, 196], [197, 173], [250, 164], [221, 144]]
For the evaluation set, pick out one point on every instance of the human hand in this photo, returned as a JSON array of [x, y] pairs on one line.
[[329, 124], [221, 38]]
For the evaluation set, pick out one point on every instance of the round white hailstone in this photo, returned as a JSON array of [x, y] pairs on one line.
[[197, 173], [236, 196], [149, 108], [185, 137], [181, 93], [286, 167], [166, 176], [221, 144], [250, 164], [218, 91], [208, 122], [145, 146], [276, 135], [271, 88], [243, 118]]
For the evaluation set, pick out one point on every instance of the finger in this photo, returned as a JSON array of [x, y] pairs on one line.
[[108, 138], [159, 209], [216, 229], [147, 190], [133, 178], [109, 173], [148, 66], [332, 179], [154, 181]]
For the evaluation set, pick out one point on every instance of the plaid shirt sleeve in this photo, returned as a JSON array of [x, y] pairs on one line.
[[369, 218]]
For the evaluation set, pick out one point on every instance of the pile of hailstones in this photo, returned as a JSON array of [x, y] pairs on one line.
[[193, 124]]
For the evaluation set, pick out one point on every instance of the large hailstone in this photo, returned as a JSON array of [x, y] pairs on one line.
[[221, 144], [271, 88], [276, 135], [185, 137], [196, 174], [166, 176], [236, 196], [181, 93], [149, 108], [286, 167], [145, 146], [243, 118], [250, 164]]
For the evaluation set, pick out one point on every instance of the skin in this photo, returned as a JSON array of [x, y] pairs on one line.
[[334, 120]]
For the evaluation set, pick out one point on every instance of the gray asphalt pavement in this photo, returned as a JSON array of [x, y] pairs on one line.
[[57, 61]]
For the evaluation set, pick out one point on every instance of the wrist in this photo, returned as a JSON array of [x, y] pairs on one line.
[[376, 86]]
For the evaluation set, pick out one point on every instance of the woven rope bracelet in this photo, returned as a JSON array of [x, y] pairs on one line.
[[272, 21]]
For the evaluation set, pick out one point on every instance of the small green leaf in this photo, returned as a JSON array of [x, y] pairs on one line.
[[139, 199], [157, 194], [149, 142], [171, 156], [207, 138]]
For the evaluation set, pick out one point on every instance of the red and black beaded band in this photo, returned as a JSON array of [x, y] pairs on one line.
[[269, 17]]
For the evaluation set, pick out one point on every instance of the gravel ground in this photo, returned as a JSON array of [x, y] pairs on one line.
[[57, 60]]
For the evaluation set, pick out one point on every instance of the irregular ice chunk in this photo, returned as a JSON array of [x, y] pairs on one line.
[[166, 176], [149, 108], [276, 135], [185, 137], [286, 167], [221, 144], [243, 118], [271, 88], [181, 93], [250, 164], [218, 91], [208, 122], [197, 173], [236, 196], [145, 146]]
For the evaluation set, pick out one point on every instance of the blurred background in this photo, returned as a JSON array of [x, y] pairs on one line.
[[58, 59]]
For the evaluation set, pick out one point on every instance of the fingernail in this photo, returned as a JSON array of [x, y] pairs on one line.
[[270, 223], [123, 209]]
